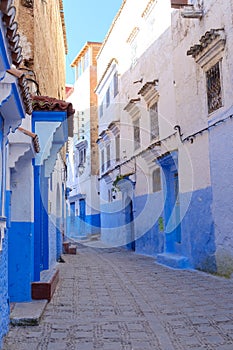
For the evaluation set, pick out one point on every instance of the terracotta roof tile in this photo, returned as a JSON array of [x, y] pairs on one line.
[[47, 103], [8, 18]]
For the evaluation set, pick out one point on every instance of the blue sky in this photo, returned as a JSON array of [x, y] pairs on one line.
[[87, 20]]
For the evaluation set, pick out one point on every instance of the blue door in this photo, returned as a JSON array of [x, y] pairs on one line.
[[82, 215], [172, 203], [129, 224]]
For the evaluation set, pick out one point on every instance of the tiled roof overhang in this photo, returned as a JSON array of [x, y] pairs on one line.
[[147, 87], [46, 104], [206, 41], [14, 51], [24, 89], [13, 38]]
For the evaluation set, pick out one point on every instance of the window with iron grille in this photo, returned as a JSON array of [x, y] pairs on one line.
[[136, 131], [214, 89], [154, 125]]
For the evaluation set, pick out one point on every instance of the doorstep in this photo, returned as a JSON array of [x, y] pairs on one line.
[[27, 313]]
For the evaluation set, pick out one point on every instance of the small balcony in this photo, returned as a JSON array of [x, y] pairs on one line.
[[177, 4]]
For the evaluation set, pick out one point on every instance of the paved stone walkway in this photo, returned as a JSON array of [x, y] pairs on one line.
[[110, 299]]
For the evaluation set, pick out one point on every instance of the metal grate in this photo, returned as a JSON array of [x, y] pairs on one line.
[[214, 90]]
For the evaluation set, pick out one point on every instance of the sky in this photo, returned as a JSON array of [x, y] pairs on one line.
[[86, 20]]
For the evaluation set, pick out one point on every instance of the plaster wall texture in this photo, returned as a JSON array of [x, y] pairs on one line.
[[41, 23], [127, 19], [84, 183], [221, 171]]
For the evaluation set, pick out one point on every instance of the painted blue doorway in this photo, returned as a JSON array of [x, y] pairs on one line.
[[169, 165], [129, 224], [82, 215]]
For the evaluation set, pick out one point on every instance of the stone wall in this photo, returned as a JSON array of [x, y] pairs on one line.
[[4, 305]]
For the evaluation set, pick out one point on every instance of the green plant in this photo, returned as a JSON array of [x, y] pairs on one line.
[[119, 177]]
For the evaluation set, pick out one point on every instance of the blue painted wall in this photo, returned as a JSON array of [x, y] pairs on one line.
[[197, 227], [77, 227], [221, 170], [21, 261], [4, 300]]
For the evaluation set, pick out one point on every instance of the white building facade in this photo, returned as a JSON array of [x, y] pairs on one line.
[[83, 217], [163, 89]]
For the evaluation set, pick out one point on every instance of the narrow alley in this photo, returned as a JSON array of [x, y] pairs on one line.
[[113, 299]]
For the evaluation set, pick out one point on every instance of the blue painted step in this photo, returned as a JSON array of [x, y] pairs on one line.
[[173, 260]]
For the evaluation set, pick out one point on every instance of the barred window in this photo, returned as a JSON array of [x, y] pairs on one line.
[[214, 90]]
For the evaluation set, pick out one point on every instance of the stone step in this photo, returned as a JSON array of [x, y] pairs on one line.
[[27, 313], [173, 260], [45, 288]]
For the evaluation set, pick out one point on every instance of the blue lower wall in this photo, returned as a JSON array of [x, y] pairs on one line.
[[80, 228], [197, 230], [197, 227], [21, 261], [4, 299]]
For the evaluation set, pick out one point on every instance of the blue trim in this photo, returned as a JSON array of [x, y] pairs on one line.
[[4, 58], [8, 208], [48, 116], [18, 100]]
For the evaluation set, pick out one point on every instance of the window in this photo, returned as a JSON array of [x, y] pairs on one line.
[[79, 69], [108, 156], [86, 60], [214, 90], [136, 132], [154, 126], [102, 161], [82, 156], [115, 84], [110, 195], [101, 110], [1, 162], [132, 41], [117, 144], [108, 97], [156, 180]]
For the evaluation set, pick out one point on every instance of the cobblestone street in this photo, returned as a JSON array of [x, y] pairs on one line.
[[111, 299]]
